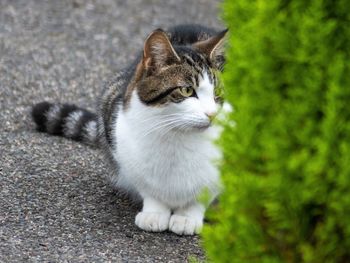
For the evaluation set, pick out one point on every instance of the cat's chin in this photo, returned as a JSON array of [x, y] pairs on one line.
[[194, 128]]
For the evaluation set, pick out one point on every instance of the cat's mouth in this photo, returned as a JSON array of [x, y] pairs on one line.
[[203, 127], [197, 127]]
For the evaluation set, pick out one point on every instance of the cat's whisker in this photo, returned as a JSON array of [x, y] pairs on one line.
[[162, 117], [163, 124], [168, 125], [184, 124], [156, 126], [171, 127], [163, 121]]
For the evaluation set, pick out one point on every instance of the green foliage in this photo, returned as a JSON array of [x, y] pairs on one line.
[[286, 166]]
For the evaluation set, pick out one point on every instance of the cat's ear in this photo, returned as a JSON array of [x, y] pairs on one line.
[[213, 47], [158, 51]]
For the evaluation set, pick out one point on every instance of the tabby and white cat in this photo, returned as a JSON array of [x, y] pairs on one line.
[[154, 123]]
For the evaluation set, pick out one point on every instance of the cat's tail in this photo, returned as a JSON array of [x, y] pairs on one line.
[[66, 120]]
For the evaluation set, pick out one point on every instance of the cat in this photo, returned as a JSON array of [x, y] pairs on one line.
[[154, 122]]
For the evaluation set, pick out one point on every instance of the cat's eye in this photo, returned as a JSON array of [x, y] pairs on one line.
[[218, 99], [218, 94], [186, 91]]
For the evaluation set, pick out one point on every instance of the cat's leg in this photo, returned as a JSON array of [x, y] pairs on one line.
[[187, 220], [154, 216]]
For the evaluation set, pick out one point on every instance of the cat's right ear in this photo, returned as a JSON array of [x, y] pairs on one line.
[[213, 48], [158, 51]]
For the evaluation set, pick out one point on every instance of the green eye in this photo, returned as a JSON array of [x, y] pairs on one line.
[[186, 91]]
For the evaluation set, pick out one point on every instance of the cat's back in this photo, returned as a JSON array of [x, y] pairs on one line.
[[112, 95]]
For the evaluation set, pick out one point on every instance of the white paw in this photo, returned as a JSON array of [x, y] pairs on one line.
[[184, 225], [154, 222]]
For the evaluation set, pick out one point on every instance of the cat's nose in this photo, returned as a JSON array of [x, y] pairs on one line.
[[211, 115]]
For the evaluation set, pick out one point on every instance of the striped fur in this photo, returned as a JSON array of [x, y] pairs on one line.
[[169, 167], [66, 120]]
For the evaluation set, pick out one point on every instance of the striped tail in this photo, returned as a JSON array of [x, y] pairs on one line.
[[66, 120]]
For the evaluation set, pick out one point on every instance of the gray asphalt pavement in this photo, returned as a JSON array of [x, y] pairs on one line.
[[55, 205]]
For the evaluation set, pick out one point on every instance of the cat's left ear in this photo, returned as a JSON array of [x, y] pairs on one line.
[[213, 47], [158, 51]]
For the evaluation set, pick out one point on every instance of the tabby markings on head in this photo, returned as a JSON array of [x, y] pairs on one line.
[[166, 70]]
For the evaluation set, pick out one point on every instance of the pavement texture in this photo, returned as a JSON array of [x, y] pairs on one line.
[[55, 204]]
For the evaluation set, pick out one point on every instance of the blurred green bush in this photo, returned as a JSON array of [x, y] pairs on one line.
[[286, 166]]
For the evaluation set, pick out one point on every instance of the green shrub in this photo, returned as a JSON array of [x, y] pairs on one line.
[[286, 166]]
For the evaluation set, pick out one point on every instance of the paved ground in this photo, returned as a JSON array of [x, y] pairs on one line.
[[55, 205]]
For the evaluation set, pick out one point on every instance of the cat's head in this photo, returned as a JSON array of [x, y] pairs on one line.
[[178, 84]]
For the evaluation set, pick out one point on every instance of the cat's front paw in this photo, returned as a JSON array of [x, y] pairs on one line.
[[154, 222], [185, 225]]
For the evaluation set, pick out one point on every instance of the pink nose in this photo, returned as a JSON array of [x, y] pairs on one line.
[[211, 115]]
